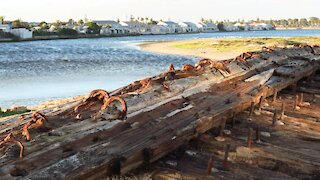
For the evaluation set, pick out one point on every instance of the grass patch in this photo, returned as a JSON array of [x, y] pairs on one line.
[[244, 44], [6, 114]]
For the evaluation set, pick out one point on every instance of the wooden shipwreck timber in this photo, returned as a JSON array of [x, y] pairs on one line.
[[113, 133]]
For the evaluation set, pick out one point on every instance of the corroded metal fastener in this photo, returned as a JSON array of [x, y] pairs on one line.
[[98, 94], [251, 109], [122, 102], [209, 166], [37, 121], [9, 139]]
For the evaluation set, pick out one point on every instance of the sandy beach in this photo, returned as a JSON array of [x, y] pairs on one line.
[[167, 48]]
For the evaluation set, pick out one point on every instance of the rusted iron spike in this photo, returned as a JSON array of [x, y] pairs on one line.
[[251, 109], [258, 136], [226, 155], [261, 103], [188, 68], [282, 110], [38, 120], [122, 102], [249, 140], [171, 68], [210, 165], [275, 95], [274, 119], [212, 64], [98, 94], [9, 139]]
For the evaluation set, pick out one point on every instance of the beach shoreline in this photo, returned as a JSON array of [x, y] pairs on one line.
[[165, 47]]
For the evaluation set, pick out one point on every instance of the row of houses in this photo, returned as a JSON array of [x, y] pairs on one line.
[[170, 27], [163, 27], [114, 28]]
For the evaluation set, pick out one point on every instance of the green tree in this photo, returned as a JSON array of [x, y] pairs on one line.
[[314, 21], [93, 28], [303, 22], [71, 21], [80, 22], [1, 19], [67, 32], [221, 26], [19, 24], [43, 25]]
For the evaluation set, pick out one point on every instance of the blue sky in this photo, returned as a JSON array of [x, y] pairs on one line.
[[178, 10]]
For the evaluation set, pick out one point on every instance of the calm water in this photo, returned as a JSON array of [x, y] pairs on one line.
[[34, 72]]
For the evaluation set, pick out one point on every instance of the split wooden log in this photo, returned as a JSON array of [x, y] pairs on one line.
[[159, 120]]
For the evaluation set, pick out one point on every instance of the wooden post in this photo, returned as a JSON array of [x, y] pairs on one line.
[[275, 95], [249, 140], [296, 102], [274, 119], [251, 109], [233, 119], [210, 165], [258, 137], [226, 154], [222, 126], [282, 110], [301, 99]]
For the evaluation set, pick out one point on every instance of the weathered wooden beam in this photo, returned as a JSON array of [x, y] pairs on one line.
[[159, 121]]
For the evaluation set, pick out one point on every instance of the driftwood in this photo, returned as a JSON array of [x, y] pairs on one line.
[[171, 109]]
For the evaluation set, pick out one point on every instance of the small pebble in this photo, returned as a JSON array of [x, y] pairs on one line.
[[191, 153], [279, 123], [265, 134], [78, 116], [227, 132], [172, 163], [305, 104], [219, 138]]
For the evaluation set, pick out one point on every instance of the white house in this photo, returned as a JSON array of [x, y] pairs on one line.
[[172, 26], [188, 27], [245, 26], [22, 33], [82, 29], [110, 27], [157, 29], [5, 27], [230, 27], [135, 27], [207, 27]]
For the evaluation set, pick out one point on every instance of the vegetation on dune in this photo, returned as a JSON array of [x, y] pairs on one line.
[[11, 113], [244, 44]]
